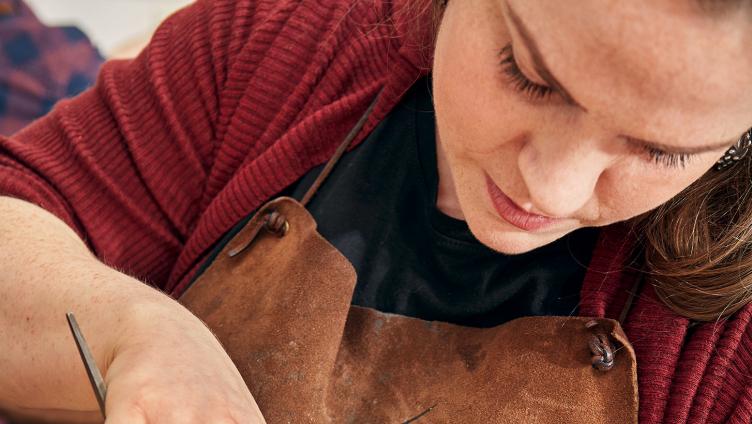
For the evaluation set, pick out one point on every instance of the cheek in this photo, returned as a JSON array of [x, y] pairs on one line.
[[473, 109], [630, 190]]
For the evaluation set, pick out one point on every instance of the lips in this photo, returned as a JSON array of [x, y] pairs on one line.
[[513, 214]]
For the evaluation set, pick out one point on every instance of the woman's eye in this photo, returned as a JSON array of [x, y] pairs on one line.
[[518, 80], [669, 160], [535, 91]]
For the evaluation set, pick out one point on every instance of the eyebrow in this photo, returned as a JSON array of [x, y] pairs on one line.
[[538, 63], [540, 67]]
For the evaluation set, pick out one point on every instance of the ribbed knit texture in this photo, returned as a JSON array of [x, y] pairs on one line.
[[234, 100]]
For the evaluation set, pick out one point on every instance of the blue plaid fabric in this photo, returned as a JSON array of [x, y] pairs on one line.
[[39, 65]]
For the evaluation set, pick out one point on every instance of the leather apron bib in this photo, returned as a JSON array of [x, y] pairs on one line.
[[278, 297]]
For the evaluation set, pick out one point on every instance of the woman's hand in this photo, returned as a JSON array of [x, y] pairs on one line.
[[167, 367]]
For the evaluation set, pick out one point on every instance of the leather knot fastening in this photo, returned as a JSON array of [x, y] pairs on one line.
[[274, 222], [600, 346]]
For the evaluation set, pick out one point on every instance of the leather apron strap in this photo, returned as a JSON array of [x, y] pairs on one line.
[[276, 223], [341, 149]]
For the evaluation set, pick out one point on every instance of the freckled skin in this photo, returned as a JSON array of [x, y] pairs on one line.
[[660, 71], [40, 367]]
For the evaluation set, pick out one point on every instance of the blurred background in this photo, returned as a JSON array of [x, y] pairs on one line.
[[53, 49], [116, 27]]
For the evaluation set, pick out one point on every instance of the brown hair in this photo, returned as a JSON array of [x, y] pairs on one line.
[[698, 246]]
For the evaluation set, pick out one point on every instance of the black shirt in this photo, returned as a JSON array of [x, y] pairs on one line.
[[378, 207]]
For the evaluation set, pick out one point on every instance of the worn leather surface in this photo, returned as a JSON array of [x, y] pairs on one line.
[[16, 416], [282, 310]]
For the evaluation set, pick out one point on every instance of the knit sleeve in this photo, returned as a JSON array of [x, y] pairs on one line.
[[125, 163]]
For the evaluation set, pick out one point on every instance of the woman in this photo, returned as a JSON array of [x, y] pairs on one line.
[[548, 119]]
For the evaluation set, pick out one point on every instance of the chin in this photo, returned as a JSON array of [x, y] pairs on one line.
[[505, 238]]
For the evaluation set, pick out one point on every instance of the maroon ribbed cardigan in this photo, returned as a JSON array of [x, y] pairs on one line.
[[236, 99]]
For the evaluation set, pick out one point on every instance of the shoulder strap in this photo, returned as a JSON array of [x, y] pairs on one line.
[[339, 152], [631, 295]]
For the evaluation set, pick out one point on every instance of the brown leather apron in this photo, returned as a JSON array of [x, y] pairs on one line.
[[278, 298]]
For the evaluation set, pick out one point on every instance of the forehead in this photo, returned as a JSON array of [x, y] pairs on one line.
[[649, 65]]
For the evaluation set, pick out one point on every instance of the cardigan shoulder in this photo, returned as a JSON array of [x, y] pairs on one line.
[[289, 105], [231, 101]]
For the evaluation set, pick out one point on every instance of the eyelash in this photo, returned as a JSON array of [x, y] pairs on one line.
[[669, 160], [538, 92], [519, 81]]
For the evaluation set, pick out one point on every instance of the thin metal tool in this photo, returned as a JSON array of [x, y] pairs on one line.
[[95, 377]]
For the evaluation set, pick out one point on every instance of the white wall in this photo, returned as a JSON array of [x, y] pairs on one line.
[[113, 25]]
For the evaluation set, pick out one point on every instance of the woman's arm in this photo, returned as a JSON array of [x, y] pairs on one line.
[[119, 174], [161, 364]]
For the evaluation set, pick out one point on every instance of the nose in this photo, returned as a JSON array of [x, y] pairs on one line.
[[561, 173]]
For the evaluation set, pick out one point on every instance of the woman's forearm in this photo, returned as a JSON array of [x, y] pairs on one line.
[[46, 271]]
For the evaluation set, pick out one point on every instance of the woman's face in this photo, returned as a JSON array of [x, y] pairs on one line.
[[553, 116]]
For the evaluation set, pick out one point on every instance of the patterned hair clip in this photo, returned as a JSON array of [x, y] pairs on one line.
[[736, 152]]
